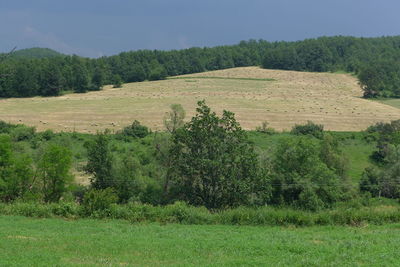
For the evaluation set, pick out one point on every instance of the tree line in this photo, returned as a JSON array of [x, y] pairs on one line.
[[374, 60]]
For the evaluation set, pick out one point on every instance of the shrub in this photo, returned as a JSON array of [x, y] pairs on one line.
[[265, 129], [5, 127], [78, 192], [180, 212], [96, 201], [136, 130], [301, 176], [378, 212], [29, 209], [310, 128], [65, 209], [16, 173], [22, 133], [47, 135]]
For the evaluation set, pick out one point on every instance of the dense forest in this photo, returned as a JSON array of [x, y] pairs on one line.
[[374, 60]]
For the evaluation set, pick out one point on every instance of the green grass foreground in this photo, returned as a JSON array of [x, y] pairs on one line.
[[57, 242]]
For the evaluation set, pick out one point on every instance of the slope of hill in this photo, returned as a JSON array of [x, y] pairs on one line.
[[282, 98], [35, 52], [394, 102]]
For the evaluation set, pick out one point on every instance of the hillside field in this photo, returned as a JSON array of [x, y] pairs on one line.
[[57, 242], [283, 98], [395, 102]]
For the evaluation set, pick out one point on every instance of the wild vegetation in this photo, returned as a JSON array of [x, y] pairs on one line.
[[374, 60], [208, 161]]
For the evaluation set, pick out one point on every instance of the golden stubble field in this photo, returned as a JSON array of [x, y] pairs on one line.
[[333, 100]]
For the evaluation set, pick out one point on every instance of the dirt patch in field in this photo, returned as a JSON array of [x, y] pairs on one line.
[[292, 97]]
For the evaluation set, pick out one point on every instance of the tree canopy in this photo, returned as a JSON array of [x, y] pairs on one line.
[[215, 164], [374, 60]]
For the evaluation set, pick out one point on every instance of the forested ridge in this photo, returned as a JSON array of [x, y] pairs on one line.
[[374, 60], [35, 52]]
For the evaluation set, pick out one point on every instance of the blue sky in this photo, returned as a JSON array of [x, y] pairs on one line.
[[105, 27]]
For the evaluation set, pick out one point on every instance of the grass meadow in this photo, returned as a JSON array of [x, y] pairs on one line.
[[57, 242], [394, 102]]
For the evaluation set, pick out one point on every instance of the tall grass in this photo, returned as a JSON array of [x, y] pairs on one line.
[[182, 213]]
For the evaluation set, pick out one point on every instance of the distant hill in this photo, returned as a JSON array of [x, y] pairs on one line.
[[35, 52]]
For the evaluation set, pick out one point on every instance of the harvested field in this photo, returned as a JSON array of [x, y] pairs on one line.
[[283, 98]]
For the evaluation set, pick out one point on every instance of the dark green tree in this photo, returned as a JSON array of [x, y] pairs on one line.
[[130, 184], [215, 164], [81, 78], [51, 80], [100, 162], [301, 177], [117, 81], [54, 172], [137, 74], [6, 162], [98, 78]]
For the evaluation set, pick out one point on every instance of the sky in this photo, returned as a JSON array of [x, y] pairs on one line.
[[95, 28]]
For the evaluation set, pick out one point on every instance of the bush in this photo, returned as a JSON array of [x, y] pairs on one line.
[[310, 128], [136, 130], [78, 192], [96, 202], [265, 129], [22, 133], [30, 209], [302, 177], [378, 212], [5, 127], [47, 135], [65, 209], [383, 181], [180, 212]]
